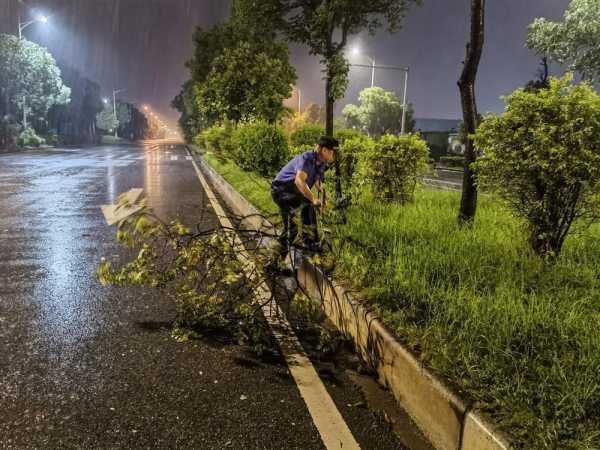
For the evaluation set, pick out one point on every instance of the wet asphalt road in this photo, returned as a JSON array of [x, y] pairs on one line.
[[89, 367]]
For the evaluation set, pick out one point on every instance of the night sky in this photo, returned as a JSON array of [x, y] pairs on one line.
[[141, 45]]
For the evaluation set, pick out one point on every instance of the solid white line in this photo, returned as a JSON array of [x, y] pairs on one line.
[[332, 428]]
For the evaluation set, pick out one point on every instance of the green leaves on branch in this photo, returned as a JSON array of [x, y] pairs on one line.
[[199, 272], [391, 167], [542, 156], [28, 72], [573, 42], [248, 81], [379, 113]]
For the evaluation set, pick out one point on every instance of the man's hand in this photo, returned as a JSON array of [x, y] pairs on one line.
[[316, 202]]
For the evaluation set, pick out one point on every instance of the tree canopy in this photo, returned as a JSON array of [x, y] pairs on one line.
[[379, 112], [29, 79], [574, 41], [542, 156], [240, 71]]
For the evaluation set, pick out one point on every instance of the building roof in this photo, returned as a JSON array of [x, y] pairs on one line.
[[426, 125]]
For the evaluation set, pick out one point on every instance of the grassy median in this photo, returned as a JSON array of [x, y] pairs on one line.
[[519, 338]]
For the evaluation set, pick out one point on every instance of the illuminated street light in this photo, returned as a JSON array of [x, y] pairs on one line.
[[355, 51], [22, 26]]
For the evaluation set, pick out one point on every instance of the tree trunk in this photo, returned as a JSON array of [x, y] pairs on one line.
[[329, 104], [466, 84]]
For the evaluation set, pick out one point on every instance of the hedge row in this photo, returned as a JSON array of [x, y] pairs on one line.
[[389, 167]]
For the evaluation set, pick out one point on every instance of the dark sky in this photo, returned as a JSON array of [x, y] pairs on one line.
[[141, 45]]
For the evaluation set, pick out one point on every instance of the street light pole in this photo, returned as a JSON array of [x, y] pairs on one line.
[[402, 69], [22, 26], [372, 72], [403, 127]]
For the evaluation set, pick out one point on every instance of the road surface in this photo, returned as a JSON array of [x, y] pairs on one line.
[[90, 367]]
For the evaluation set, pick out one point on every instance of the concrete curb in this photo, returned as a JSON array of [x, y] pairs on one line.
[[442, 416]]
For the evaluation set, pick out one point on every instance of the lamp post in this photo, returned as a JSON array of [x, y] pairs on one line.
[[356, 51], [22, 26]]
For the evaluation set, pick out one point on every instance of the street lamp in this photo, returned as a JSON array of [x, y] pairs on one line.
[[356, 51], [22, 26]]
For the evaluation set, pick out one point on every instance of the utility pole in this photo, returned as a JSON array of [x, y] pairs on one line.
[[22, 26], [403, 127], [372, 72]]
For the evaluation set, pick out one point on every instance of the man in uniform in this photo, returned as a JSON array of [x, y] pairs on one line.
[[291, 191]]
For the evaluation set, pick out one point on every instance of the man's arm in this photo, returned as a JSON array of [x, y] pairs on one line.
[[300, 182]]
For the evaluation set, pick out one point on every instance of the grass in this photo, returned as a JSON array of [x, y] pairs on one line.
[[518, 338], [255, 188]]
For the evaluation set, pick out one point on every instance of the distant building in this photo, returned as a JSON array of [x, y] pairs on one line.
[[441, 135]]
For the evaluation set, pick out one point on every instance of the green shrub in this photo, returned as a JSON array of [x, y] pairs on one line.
[[391, 168], [350, 150], [452, 161], [28, 138], [343, 134], [542, 156], [307, 136], [52, 139], [217, 139], [260, 147], [298, 150]]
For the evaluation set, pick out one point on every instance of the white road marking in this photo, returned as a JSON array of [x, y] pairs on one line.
[[188, 158], [334, 431], [173, 158]]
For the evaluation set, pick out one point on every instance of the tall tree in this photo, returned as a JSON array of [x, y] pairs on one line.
[[249, 81], [75, 122], [30, 80], [573, 42], [240, 70], [325, 26], [379, 112], [106, 120], [466, 84]]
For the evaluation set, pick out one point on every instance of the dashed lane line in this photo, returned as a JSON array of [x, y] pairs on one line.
[[332, 428]]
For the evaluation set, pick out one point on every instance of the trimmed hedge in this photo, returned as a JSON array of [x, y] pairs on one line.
[[260, 147], [392, 167]]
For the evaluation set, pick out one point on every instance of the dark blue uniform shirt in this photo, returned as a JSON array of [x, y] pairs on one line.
[[307, 162]]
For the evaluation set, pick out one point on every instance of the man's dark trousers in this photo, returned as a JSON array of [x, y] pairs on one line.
[[289, 199]]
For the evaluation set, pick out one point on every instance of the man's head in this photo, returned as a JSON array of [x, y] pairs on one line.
[[327, 148]]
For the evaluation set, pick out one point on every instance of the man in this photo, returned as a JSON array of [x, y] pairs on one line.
[[291, 191]]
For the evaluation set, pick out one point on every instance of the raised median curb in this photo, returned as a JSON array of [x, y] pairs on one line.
[[442, 416]]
